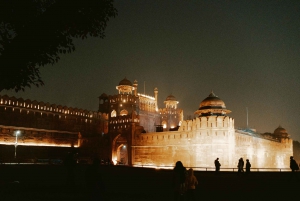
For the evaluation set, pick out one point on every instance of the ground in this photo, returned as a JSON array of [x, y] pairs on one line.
[[48, 182]]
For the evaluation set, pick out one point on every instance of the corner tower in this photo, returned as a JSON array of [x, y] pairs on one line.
[[171, 116]]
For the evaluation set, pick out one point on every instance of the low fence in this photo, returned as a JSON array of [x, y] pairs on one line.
[[207, 169], [221, 169]]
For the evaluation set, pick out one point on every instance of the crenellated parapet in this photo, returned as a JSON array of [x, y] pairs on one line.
[[42, 107], [206, 122]]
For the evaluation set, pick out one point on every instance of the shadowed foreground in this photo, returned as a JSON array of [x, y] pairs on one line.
[[46, 182]]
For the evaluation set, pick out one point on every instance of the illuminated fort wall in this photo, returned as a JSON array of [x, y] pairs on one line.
[[200, 141], [45, 124]]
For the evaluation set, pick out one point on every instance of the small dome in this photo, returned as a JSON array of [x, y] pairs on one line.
[[125, 82], [171, 98], [104, 95], [212, 101], [281, 132]]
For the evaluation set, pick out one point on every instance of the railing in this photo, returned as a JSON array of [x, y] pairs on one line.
[[206, 169], [212, 169]]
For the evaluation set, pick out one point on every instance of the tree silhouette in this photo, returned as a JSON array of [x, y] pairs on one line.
[[34, 32]]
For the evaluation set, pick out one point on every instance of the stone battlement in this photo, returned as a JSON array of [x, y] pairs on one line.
[[206, 122], [47, 107]]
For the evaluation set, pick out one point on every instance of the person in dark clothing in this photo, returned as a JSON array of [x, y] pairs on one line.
[[217, 165], [293, 164], [191, 182], [240, 165], [248, 166], [179, 177]]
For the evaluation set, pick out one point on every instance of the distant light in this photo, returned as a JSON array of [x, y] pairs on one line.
[[124, 146], [18, 132]]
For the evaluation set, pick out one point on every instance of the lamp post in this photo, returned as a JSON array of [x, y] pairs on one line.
[[16, 142]]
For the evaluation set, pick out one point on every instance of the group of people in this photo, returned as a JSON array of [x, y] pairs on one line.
[[240, 165], [184, 182]]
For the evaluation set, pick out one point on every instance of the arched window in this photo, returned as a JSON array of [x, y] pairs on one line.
[[113, 113], [123, 112], [164, 123]]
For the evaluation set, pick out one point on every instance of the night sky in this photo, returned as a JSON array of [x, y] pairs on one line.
[[247, 52]]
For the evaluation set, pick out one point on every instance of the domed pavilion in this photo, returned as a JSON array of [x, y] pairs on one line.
[[212, 106], [280, 133], [125, 87]]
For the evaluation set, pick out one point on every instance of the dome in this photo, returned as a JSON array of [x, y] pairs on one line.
[[104, 95], [171, 98], [212, 101], [212, 105], [280, 132], [125, 82]]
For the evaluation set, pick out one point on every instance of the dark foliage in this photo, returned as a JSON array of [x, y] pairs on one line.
[[34, 32]]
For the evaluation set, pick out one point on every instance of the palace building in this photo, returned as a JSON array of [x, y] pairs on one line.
[[130, 128]]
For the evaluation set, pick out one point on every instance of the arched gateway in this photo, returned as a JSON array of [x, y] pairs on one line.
[[120, 150]]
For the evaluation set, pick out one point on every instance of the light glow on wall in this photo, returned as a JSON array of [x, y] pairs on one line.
[[146, 96], [38, 144]]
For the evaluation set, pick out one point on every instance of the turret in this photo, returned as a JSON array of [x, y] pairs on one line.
[[156, 97]]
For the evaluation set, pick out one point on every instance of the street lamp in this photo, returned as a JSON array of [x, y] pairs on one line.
[[16, 142]]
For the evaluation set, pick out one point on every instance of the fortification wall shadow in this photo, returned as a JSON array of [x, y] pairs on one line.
[[48, 182]]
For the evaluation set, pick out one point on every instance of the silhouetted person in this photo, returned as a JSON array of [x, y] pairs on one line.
[[94, 182], [70, 164], [191, 182], [240, 165], [179, 176], [217, 165], [248, 166], [293, 164]]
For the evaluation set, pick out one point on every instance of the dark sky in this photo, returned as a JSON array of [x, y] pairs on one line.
[[247, 52]]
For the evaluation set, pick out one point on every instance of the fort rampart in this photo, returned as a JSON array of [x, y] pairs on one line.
[[199, 142]]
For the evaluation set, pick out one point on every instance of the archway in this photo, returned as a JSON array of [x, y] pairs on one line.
[[120, 150]]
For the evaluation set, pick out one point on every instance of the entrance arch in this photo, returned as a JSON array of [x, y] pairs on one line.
[[120, 150]]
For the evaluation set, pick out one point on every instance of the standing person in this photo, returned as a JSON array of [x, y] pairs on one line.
[[293, 164], [242, 168], [191, 182], [248, 166], [240, 165], [179, 176], [217, 165]]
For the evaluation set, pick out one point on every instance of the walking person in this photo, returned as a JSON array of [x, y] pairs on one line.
[[217, 165], [248, 166], [179, 177], [191, 182]]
